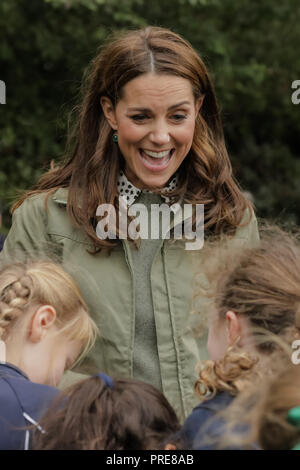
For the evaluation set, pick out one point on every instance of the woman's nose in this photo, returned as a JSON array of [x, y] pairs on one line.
[[160, 135]]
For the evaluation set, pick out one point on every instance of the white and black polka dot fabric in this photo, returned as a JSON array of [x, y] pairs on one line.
[[130, 193]]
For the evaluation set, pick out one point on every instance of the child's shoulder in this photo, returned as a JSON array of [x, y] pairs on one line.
[[216, 403], [204, 417], [30, 397], [22, 403]]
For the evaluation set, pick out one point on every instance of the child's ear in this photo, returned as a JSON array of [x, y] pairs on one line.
[[40, 322], [233, 327], [170, 447], [109, 112]]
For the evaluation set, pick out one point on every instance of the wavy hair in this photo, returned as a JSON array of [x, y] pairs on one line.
[[92, 161], [261, 285]]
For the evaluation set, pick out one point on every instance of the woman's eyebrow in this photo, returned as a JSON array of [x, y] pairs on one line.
[[148, 110]]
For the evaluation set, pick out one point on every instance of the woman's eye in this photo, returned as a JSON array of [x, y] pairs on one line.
[[143, 117], [139, 117], [179, 117]]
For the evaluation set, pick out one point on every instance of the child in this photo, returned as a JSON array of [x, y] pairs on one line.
[[104, 414], [258, 294], [44, 326]]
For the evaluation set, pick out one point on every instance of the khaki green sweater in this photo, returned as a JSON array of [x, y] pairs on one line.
[[145, 355]]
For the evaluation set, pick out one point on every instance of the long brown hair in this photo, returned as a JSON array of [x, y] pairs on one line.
[[92, 162], [91, 415], [262, 285]]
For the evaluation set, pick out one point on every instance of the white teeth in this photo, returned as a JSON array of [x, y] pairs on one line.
[[156, 154]]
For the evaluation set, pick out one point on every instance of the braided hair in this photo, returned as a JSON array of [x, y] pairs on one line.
[[14, 300], [27, 286]]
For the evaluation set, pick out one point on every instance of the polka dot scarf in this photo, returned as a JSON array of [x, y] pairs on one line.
[[130, 193]]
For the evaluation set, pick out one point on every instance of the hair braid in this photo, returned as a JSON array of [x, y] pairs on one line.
[[13, 301]]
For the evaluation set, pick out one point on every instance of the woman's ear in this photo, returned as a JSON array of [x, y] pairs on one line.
[[41, 321], [109, 111], [198, 104], [233, 326]]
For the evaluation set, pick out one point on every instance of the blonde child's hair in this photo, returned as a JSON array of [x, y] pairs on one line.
[[261, 284], [29, 285]]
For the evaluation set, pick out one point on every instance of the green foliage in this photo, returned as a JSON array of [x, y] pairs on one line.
[[250, 47]]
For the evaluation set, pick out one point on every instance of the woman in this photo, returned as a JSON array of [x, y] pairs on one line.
[[149, 131]]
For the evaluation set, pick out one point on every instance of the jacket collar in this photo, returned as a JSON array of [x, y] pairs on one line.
[[130, 193], [61, 195], [126, 189], [8, 369]]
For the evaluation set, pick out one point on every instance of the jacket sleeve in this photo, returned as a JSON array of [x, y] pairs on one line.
[[28, 236]]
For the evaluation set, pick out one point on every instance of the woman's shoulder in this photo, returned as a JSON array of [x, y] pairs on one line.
[[33, 222], [40, 201], [247, 229], [38, 209]]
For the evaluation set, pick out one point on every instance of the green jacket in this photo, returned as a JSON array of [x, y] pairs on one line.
[[106, 284]]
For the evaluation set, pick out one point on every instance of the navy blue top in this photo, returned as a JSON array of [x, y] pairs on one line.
[[204, 423], [22, 403]]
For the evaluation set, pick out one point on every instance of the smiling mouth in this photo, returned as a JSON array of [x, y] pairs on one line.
[[156, 160]]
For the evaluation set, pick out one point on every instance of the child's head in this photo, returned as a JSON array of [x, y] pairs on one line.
[[257, 295], [260, 292], [274, 427], [44, 320], [101, 414], [269, 408]]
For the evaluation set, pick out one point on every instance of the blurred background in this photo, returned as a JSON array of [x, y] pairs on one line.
[[251, 48]]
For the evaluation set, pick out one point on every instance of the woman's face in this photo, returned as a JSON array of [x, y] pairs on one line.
[[155, 122]]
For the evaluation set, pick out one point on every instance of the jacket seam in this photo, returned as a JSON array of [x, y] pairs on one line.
[[174, 335], [153, 261], [127, 259]]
